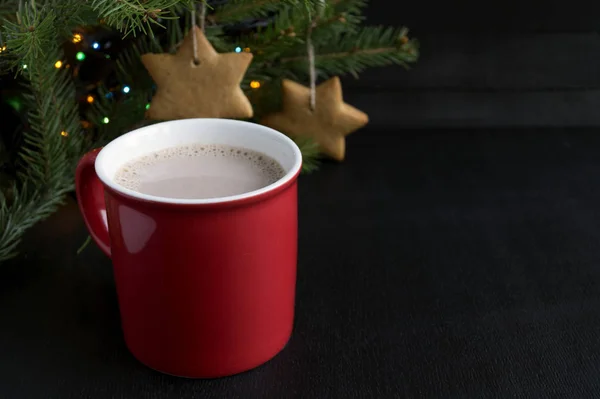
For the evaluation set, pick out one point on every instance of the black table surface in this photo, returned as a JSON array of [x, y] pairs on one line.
[[433, 264]]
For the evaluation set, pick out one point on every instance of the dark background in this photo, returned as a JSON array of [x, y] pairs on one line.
[[485, 64], [489, 63], [459, 260]]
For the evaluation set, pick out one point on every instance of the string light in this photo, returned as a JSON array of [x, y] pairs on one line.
[[3, 48], [238, 49], [108, 95], [126, 89], [105, 120], [64, 134], [148, 106], [15, 102], [77, 38], [255, 84], [58, 64], [246, 49], [96, 45], [90, 99], [24, 66], [80, 56]]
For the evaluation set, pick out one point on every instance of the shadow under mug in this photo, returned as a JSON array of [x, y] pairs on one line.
[[206, 287]]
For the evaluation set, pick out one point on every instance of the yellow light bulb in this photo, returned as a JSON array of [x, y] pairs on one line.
[[58, 64], [77, 38], [64, 134], [246, 49], [3, 48], [90, 99], [255, 84]]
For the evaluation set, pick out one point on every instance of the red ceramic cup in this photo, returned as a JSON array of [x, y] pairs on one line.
[[206, 287]]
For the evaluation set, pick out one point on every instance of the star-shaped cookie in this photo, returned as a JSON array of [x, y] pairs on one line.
[[328, 125], [208, 90]]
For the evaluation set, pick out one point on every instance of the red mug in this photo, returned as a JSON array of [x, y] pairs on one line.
[[206, 287]]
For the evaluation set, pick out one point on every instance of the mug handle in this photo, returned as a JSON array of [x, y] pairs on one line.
[[90, 197]]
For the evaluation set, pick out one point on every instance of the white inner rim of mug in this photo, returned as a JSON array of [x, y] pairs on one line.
[[163, 135]]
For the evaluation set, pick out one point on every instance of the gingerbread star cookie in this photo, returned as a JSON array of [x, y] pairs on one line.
[[328, 124], [210, 89]]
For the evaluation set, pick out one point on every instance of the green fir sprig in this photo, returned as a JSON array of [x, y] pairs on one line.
[[52, 145], [135, 16], [32, 33]]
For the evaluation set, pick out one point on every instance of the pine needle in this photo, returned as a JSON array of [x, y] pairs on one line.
[[32, 33], [311, 155]]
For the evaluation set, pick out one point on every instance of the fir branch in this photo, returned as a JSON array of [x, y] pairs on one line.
[[351, 10], [369, 47], [270, 41], [340, 18], [71, 14], [130, 69], [177, 29], [286, 36], [52, 146], [131, 16], [40, 22], [30, 34], [8, 8], [54, 124], [121, 115], [311, 155], [26, 207], [238, 10]]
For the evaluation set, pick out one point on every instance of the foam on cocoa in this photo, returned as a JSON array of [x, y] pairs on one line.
[[213, 164]]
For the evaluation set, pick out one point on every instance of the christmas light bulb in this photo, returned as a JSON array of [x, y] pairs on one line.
[[246, 49], [77, 38], [24, 66], [105, 120], [80, 56], [64, 134], [2, 48], [126, 89], [96, 45], [238, 49], [15, 103], [255, 84], [148, 106], [90, 99], [58, 64]]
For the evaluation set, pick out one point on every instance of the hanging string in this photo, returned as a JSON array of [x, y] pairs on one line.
[[311, 55], [311, 69], [19, 12], [194, 22], [194, 38], [202, 14]]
